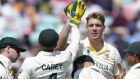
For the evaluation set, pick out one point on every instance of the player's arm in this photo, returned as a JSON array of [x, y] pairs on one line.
[[63, 36], [76, 14], [122, 70], [62, 42]]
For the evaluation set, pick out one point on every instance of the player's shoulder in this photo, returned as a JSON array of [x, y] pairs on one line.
[[29, 60], [110, 46], [2, 71], [92, 68], [2, 67], [113, 51], [89, 70], [84, 41]]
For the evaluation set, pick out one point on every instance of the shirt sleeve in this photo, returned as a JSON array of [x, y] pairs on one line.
[[73, 47], [26, 69], [117, 59], [83, 74]]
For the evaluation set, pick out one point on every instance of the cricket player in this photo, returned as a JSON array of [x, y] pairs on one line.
[[10, 50], [105, 55], [84, 69], [48, 64], [133, 57]]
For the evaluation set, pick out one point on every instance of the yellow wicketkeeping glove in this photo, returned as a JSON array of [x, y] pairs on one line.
[[74, 12]]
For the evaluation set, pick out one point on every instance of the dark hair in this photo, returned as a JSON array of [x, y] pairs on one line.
[[48, 38], [80, 60], [96, 15]]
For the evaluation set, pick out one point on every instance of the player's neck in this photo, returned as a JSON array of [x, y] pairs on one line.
[[96, 44], [47, 49]]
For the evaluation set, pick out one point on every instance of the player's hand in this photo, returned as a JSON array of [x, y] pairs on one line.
[[122, 70], [74, 12]]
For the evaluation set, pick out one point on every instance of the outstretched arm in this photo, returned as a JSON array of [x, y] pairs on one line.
[[62, 42], [74, 11], [74, 21]]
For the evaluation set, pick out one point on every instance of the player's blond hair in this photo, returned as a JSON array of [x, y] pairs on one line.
[[96, 15]]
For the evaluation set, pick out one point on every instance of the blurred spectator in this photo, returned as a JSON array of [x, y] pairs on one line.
[[2, 24], [119, 19], [132, 9], [105, 4], [91, 7], [121, 44], [57, 6], [25, 10], [138, 21]]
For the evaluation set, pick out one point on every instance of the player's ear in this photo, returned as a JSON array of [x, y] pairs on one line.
[[7, 49]]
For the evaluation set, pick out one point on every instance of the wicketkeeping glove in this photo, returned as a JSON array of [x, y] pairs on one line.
[[74, 12]]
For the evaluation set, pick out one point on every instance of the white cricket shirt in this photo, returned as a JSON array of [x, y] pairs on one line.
[[4, 69], [134, 72], [88, 73], [105, 60], [49, 65]]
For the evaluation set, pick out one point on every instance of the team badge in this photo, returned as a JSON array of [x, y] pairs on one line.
[[106, 57]]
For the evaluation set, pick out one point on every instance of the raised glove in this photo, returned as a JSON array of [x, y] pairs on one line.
[[74, 12]]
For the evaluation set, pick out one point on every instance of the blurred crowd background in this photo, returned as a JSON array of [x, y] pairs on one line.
[[25, 19]]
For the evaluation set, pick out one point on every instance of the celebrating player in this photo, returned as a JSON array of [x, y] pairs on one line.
[[133, 57], [104, 55]]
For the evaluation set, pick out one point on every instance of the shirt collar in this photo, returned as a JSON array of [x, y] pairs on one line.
[[43, 53], [87, 44], [8, 64]]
